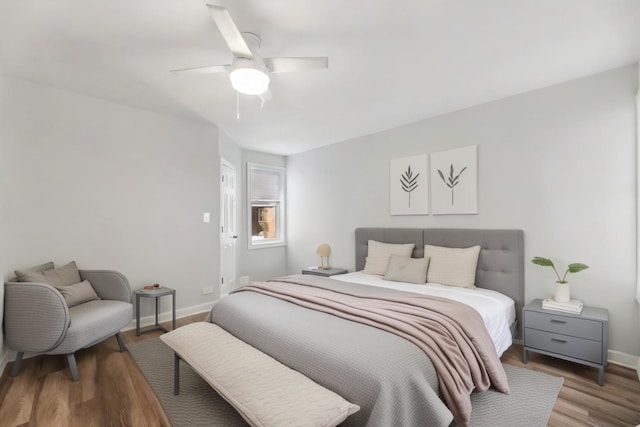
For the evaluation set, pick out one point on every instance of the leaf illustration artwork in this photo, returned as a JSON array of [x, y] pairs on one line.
[[409, 182], [451, 181]]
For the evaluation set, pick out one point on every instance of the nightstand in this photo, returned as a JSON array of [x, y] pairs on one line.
[[156, 294], [325, 273], [580, 338]]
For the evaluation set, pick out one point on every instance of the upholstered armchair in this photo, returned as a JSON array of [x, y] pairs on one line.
[[48, 319]]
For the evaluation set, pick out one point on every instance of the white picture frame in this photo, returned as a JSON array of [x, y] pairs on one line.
[[454, 181], [409, 185]]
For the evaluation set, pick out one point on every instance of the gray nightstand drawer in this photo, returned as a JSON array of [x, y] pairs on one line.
[[559, 324], [563, 344]]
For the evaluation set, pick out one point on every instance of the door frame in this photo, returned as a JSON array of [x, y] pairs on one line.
[[230, 283]]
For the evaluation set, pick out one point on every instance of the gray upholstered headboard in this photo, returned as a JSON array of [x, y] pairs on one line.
[[501, 262]]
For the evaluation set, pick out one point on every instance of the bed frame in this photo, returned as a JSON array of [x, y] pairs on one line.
[[501, 262]]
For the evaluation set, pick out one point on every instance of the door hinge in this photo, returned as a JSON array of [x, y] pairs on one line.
[[222, 280]]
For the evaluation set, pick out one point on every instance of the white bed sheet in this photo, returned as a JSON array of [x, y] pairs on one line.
[[497, 310]]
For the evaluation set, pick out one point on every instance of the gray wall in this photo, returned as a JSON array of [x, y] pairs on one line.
[[262, 263], [111, 187], [557, 163]]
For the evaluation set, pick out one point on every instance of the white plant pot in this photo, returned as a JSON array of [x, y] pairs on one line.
[[563, 292]]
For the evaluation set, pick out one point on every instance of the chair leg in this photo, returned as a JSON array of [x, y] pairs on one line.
[[121, 342], [16, 364], [73, 367]]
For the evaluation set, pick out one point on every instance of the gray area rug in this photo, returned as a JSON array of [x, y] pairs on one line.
[[530, 403]]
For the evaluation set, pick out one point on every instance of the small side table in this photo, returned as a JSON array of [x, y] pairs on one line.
[[325, 273], [580, 338], [154, 293]]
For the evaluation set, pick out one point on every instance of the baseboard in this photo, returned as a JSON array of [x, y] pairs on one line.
[[166, 316], [624, 359]]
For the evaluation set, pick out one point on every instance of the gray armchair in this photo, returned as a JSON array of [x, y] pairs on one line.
[[37, 319]]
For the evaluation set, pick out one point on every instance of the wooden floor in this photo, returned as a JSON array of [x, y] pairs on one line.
[[113, 392]]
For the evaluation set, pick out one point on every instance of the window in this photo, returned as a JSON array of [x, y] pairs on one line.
[[265, 190]]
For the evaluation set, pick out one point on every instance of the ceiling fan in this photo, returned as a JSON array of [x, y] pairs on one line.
[[249, 72]]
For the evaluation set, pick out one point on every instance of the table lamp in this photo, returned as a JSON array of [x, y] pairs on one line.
[[324, 250]]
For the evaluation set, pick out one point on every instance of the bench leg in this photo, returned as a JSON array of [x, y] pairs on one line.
[[73, 367], [16, 364], [121, 342], [176, 374]]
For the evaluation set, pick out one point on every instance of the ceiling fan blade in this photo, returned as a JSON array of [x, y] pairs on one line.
[[202, 70], [230, 32], [288, 65]]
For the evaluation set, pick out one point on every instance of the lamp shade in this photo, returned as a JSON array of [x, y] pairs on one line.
[[323, 249], [250, 81]]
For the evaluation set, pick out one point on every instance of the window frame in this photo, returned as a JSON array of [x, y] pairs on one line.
[[281, 239]]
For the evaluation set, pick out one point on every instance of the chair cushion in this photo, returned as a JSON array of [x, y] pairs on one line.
[[62, 276], [92, 322], [78, 293]]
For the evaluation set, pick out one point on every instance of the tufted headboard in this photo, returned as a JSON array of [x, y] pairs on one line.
[[501, 262]]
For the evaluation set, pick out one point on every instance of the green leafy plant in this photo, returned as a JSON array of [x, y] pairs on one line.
[[451, 181], [409, 182], [572, 268]]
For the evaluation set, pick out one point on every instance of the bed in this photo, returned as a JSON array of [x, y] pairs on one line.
[[389, 377]]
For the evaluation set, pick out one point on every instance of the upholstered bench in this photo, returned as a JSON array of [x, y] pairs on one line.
[[264, 391]]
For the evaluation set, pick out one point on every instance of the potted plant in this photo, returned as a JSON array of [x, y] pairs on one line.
[[562, 293]]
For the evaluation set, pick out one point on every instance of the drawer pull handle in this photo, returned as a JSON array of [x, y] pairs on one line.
[[558, 340], [558, 321]]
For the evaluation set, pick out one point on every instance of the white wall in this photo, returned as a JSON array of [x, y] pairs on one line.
[[111, 187], [4, 124], [261, 263], [557, 163]]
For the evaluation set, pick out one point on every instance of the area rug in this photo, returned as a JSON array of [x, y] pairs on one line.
[[530, 403]]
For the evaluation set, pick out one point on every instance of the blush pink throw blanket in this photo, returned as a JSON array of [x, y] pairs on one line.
[[452, 334]]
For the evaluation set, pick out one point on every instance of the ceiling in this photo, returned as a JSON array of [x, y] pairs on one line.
[[390, 63]]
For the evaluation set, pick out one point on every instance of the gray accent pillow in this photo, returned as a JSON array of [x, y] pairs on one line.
[[77, 293], [61, 276], [403, 269]]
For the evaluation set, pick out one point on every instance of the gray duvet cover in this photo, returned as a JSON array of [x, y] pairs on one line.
[[391, 379]]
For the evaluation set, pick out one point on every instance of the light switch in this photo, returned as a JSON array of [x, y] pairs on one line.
[[206, 217]]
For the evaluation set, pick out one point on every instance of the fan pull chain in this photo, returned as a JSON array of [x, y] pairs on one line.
[[237, 105]]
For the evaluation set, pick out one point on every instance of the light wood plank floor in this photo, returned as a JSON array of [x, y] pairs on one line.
[[113, 392]]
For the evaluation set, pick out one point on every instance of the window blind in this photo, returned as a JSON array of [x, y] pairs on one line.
[[265, 186]]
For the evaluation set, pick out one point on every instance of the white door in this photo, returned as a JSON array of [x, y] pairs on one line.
[[228, 229]]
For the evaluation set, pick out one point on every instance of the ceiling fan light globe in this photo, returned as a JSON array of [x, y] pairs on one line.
[[249, 81]]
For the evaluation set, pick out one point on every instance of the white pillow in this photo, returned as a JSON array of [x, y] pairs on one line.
[[452, 266], [410, 270], [377, 260]]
